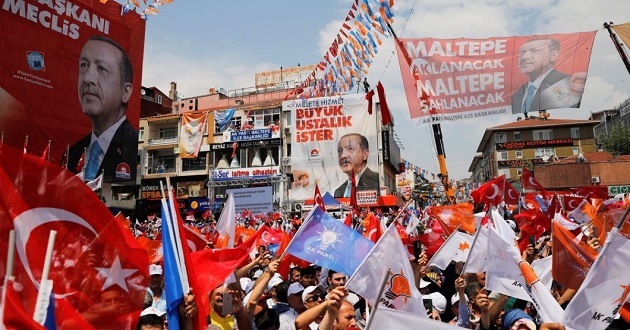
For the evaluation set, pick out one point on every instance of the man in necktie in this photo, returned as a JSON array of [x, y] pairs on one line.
[[353, 151], [546, 88], [104, 89]]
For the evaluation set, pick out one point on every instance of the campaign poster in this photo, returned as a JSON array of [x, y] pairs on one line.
[[451, 80], [42, 92], [331, 136]]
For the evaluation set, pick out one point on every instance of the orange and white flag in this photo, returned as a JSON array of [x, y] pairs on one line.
[[476, 261], [226, 227], [453, 216], [571, 259], [584, 213], [191, 133], [401, 292], [548, 308], [503, 273], [456, 248], [605, 289]]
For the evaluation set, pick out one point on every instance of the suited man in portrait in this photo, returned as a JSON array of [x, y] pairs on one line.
[[104, 88], [353, 151], [546, 88]]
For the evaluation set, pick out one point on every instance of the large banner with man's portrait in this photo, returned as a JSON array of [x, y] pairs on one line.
[[332, 137], [450, 80], [57, 85]]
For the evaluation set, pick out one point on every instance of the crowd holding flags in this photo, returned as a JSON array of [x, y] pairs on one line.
[[375, 254]]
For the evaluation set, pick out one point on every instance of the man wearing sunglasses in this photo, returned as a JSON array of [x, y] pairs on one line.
[[313, 298]]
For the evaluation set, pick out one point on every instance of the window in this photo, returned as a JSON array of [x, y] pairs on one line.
[[519, 154], [500, 137], [161, 164], [158, 99], [124, 193], [502, 155], [235, 125], [503, 171], [576, 150], [141, 134], [519, 171], [167, 133], [195, 164], [517, 135], [542, 152], [575, 132], [543, 134]]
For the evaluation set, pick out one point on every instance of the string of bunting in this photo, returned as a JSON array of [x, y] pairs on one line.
[[144, 10], [352, 52]]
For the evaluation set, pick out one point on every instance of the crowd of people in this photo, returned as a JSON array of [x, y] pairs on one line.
[[310, 297]]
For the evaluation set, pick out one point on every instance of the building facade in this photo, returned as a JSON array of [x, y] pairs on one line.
[[505, 149]]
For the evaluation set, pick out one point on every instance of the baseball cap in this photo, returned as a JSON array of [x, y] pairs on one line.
[[273, 282], [310, 289], [439, 301], [244, 282], [152, 310], [155, 269], [455, 299], [257, 274], [294, 288], [517, 316]]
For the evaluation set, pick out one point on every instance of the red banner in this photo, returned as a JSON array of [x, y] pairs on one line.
[[45, 95], [457, 79]]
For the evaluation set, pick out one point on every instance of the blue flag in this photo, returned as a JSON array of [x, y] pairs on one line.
[[328, 242], [173, 284]]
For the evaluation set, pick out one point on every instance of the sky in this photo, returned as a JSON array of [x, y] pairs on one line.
[[222, 44]]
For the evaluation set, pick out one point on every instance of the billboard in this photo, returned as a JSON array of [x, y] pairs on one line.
[[58, 85], [329, 137], [450, 80], [257, 200]]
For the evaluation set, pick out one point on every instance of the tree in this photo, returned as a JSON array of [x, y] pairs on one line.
[[618, 141]]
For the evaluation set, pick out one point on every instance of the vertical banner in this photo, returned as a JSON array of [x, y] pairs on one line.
[[191, 133], [329, 137], [449, 80], [57, 84]]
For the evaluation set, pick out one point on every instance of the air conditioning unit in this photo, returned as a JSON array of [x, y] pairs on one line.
[[298, 207], [287, 130], [595, 179]]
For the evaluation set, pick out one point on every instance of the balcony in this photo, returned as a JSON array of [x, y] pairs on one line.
[[163, 142]]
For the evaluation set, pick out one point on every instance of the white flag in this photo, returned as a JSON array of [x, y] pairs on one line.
[[400, 291], [96, 184], [565, 222], [413, 222], [503, 273], [548, 308], [476, 261], [605, 289], [226, 227], [456, 248], [502, 226], [542, 267], [385, 318]]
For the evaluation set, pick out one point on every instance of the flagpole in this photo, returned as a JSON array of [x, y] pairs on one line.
[[48, 154], [381, 289], [471, 248], [45, 286], [67, 155], [402, 210], [9, 271], [623, 218]]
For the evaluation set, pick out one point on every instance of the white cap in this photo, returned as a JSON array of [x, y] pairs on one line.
[[455, 299], [155, 269], [512, 224], [424, 284], [438, 300], [273, 282], [294, 288], [152, 310], [244, 282], [310, 290], [257, 274]]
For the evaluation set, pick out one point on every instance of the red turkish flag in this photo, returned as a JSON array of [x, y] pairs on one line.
[[373, 228], [571, 202], [491, 192], [318, 198], [268, 236], [511, 194], [98, 268], [14, 315], [528, 181]]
